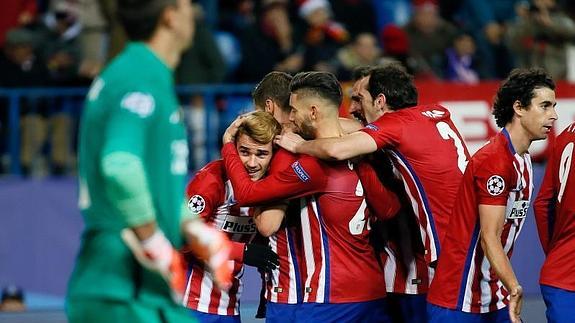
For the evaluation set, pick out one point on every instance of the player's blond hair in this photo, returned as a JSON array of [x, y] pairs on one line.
[[261, 126]]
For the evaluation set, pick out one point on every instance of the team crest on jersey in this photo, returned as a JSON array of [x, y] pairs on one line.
[[300, 172], [495, 185], [196, 204], [373, 127], [434, 114]]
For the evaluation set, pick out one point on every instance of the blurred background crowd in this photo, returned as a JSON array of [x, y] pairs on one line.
[[63, 43]]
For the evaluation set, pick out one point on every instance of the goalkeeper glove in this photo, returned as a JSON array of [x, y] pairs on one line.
[[157, 254], [212, 247]]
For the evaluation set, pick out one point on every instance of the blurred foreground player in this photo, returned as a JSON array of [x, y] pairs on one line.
[[474, 280], [132, 166], [212, 197], [555, 216]]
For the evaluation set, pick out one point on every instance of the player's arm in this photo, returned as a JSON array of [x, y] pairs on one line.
[[126, 187], [346, 147], [544, 205], [302, 177], [492, 219], [382, 202], [268, 219]]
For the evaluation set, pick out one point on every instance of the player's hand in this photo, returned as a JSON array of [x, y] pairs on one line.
[[289, 141], [261, 257], [157, 254], [212, 247], [515, 303], [232, 130]]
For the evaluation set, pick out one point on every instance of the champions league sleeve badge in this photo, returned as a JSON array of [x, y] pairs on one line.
[[196, 204], [495, 185]]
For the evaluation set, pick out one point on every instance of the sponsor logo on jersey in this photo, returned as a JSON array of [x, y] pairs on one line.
[[495, 185], [196, 204], [239, 224], [434, 114], [519, 210], [142, 104], [373, 127], [300, 172]]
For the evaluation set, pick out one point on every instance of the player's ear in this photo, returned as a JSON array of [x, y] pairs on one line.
[[169, 17], [269, 106], [313, 113], [518, 108], [380, 101]]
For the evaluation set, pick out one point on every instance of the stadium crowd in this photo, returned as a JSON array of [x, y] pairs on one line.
[[54, 43], [385, 217]]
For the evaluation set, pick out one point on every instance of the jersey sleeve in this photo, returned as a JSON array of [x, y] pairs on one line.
[[205, 192], [383, 203], [493, 182], [385, 131], [544, 205], [123, 153], [302, 177]]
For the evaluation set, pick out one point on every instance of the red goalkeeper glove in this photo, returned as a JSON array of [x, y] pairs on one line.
[[213, 247], [157, 254]]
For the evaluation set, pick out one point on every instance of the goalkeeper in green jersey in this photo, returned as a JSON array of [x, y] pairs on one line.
[[132, 166]]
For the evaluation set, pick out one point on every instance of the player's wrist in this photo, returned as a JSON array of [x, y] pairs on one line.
[[158, 248]]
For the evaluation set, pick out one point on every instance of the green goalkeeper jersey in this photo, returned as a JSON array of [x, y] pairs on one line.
[[131, 115]]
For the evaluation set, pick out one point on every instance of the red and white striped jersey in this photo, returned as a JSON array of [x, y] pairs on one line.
[[211, 195], [555, 214], [409, 276], [464, 279], [330, 251], [431, 156]]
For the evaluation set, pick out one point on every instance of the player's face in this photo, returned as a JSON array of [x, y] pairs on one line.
[[255, 156], [300, 117], [360, 97], [539, 117], [185, 24]]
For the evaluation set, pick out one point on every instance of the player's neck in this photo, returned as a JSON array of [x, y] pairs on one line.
[[519, 137], [165, 48], [329, 128]]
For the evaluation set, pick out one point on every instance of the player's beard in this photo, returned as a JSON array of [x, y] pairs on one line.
[[306, 130]]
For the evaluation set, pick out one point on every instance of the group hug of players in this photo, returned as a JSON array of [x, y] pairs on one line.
[[391, 220]]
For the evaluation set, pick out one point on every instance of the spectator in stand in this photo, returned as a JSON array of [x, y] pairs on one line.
[[236, 15], [202, 63], [364, 50], [540, 35], [487, 20], [60, 44], [16, 13], [269, 44], [460, 60], [21, 67], [321, 35], [358, 16], [396, 47], [429, 37], [12, 299]]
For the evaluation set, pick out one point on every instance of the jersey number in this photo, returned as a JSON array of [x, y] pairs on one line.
[[446, 133], [357, 223], [564, 168]]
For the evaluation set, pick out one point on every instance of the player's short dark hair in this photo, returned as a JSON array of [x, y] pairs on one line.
[[361, 72], [322, 84], [518, 86], [274, 86], [395, 83], [140, 17], [12, 293]]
